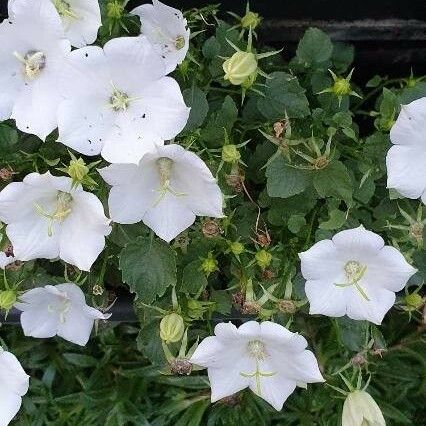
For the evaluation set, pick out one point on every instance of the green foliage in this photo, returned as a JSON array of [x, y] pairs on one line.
[[316, 167]]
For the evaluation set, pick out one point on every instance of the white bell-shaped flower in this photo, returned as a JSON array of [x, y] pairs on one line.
[[406, 160], [48, 219], [266, 357], [166, 29], [166, 190], [354, 274], [59, 310], [118, 101], [81, 19], [33, 48], [14, 383]]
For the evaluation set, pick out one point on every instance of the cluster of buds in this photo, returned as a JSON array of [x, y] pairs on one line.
[[341, 86]]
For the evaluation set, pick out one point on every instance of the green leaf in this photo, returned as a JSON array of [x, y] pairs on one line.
[[283, 93], [196, 99], [336, 220], [148, 266], [314, 48], [296, 223], [285, 181], [80, 360], [193, 278], [334, 181], [352, 333]]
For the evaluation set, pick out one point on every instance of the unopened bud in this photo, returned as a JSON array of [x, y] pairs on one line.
[[230, 154], [77, 170], [413, 301], [209, 264], [115, 10], [239, 67], [263, 258], [172, 328], [360, 409], [341, 87], [250, 20], [236, 248]]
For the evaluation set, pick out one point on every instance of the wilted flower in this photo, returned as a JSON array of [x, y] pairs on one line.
[[47, 219], [32, 55], [266, 357], [58, 310], [118, 101], [81, 19], [166, 29], [14, 383], [166, 190], [406, 159], [354, 274], [360, 409]]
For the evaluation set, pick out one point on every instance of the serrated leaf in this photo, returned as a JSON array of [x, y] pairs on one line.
[[148, 267], [315, 47], [285, 181]]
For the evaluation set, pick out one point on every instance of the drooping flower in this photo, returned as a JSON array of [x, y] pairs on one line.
[[48, 219], [266, 357], [32, 54], [14, 383], [118, 101], [166, 190], [406, 159], [354, 274], [58, 310], [360, 409], [166, 29], [81, 19]]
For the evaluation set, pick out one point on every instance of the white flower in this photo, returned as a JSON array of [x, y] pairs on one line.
[[354, 274], [166, 28], [360, 409], [5, 260], [14, 383], [32, 53], [266, 357], [81, 19], [58, 310], [406, 160], [119, 102], [166, 190], [47, 219]]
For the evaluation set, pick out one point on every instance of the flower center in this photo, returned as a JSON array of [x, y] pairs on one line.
[[354, 272], [180, 42], [33, 63], [119, 100], [256, 349], [165, 166], [62, 210], [62, 308], [64, 9]]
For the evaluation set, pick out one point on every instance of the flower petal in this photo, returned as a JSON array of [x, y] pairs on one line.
[[10, 404], [12, 376], [358, 241], [325, 298], [77, 326]]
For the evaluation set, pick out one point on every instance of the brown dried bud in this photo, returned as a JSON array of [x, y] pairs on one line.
[[250, 308], [267, 274], [236, 180], [231, 400], [287, 306], [279, 128], [238, 299], [211, 229], [8, 251], [263, 239], [181, 367], [358, 360], [15, 266], [6, 173]]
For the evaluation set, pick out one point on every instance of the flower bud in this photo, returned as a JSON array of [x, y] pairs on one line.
[[115, 10], [263, 258], [211, 229], [172, 328], [7, 299], [239, 67], [360, 409], [341, 87], [250, 20], [236, 248], [413, 301], [209, 264], [77, 170], [230, 154]]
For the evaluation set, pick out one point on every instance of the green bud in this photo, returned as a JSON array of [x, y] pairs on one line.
[[239, 67], [7, 299], [230, 154], [115, 10], [209, 264], [250, 20], [341, 87], [172, 328], [263, 258], [236, 248], [413, 301], [77, 170]]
